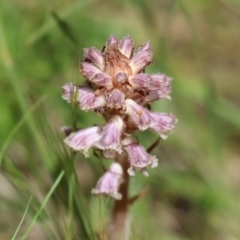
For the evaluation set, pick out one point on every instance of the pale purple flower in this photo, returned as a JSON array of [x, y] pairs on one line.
[[68, 92], [126, 46], [89, 70], [138, 157], [160, 94], [95, 56], [115, 98], [162, 123], [141, 59], [111, 135], [103, 80], [158, 81], [84, 139], [138, 114], [109, 183], [139, 81], [88, 100]]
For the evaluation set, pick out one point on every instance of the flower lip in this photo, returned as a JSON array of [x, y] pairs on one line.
[[162, 123]]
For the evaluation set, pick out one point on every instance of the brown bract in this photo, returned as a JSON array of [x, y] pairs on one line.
[[115, 62]]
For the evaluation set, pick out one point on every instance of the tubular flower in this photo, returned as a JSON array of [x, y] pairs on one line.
[[121, 91], [138, 157], [109, 183], [84, 139], [111, 136]]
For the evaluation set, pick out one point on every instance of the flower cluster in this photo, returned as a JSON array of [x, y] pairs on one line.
[[121, 91]]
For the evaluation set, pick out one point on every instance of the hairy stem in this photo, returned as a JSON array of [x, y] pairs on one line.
[[118, 229]]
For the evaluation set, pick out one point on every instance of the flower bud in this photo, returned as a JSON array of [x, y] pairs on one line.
[[141, 59], [126, 46], [95, 56], [112, 40], [115, 98]]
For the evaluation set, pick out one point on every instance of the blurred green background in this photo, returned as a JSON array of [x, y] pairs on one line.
[[194, 193]]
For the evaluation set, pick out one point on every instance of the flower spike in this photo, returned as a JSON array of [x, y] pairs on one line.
[[119, 89]]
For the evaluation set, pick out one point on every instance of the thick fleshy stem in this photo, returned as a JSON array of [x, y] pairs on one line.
[[118, 229]]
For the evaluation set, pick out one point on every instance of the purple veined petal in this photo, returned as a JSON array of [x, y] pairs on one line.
[[68, 92], [115, 98], [163, 124], [88, 100], [126, 46], [84, 139], [94, 56], [111, 135], [121, 77], [160, 94], [103, 80], [109, 183], [89, 70], [139, 115], [139, 81], [112, 40], [141, 59], [138, 157], [146, 46], [158, 81]]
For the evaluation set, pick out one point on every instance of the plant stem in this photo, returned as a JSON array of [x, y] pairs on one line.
[[120, 207]]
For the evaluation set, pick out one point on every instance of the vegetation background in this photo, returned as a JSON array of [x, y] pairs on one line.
[[194, 193]]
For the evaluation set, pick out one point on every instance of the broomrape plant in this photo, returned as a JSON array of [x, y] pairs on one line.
[[121, 92]]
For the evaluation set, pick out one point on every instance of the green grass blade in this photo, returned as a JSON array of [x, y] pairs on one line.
[[43, 204], [50, 23], [18, 126], [20, 224]]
